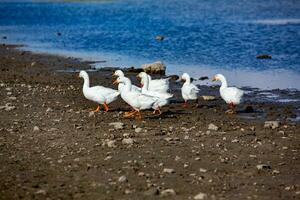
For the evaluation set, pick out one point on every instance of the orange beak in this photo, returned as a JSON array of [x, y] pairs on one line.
[[214, 79], [116, 82]]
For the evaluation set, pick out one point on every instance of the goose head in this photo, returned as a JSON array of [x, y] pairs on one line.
[[218, 77], [185, 77], [83, 74], [118, 73]]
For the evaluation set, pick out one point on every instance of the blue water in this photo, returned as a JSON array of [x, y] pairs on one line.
[[199, 35]]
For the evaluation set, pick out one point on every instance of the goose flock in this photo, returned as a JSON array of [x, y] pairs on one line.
[[153, 94]]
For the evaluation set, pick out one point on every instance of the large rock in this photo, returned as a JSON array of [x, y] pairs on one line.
[[264, 56], [154, 68]]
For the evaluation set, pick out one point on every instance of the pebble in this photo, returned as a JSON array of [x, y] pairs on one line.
[[141, 174], [235, 141], [200, 196], [151, 192], [271, 124], [111, 143], [168, 170], [263, 166], [117, 125], [168, 192], [7, 107], [122, 179], [208, 98], [36, 129], [203, 170], [212, 127], [43, 192], [49, 110], [12, 98], [91, 114], [127, 141], [138, 130]]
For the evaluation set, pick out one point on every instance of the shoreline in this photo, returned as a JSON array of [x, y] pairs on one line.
[[53, 147], [282, 79]]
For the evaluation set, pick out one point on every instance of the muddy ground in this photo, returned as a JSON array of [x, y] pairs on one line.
[[53, 147]]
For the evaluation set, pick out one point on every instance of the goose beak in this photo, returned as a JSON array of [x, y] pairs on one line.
[[116, 82], [214, 79]]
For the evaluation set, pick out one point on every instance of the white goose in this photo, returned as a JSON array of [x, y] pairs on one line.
[[231, 95], [158, 85], [119, 73], [136, 100], [98, 94], [189, 91], [163, 97]]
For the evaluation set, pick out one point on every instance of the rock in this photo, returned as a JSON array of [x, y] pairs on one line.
[[138, 130], [212, 127], [200, 196], [168, 192], [41, 191], [33, 64], [36, 129], [271, 124], [159, 38], [264, 56], [12, 98], [92, 114], [203, 170], [263, 166], [154, 68], [151, 192], [208, 98], [117, 125], [49, 110], [249, 109], [111, 143], [168, 170], [10, 108], [203, 78], [127, 141], [122, 179], [134, 70]]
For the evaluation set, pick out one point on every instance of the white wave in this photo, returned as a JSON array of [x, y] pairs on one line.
[[276, 21]]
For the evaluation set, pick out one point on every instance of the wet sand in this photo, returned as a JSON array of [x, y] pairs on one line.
[[53, 147]]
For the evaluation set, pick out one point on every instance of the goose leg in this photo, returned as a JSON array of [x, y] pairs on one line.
[[106, 108], [231, 109], [132, 110], [185, 105], [97, 109], [139, 115], [130, 114], [157, 110]]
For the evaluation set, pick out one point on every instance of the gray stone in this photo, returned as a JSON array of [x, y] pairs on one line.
[[111, 143], [271, 124], [117, 125], [151, 192], [154, 68], [168, 192], [212, 127], [138, 130], [168, 170], [263, 166], [208, 98], [200, 196], [36, 129], [127, 141], [122, 179]]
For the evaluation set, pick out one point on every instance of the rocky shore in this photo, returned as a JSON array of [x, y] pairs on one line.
[[53, 147]]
